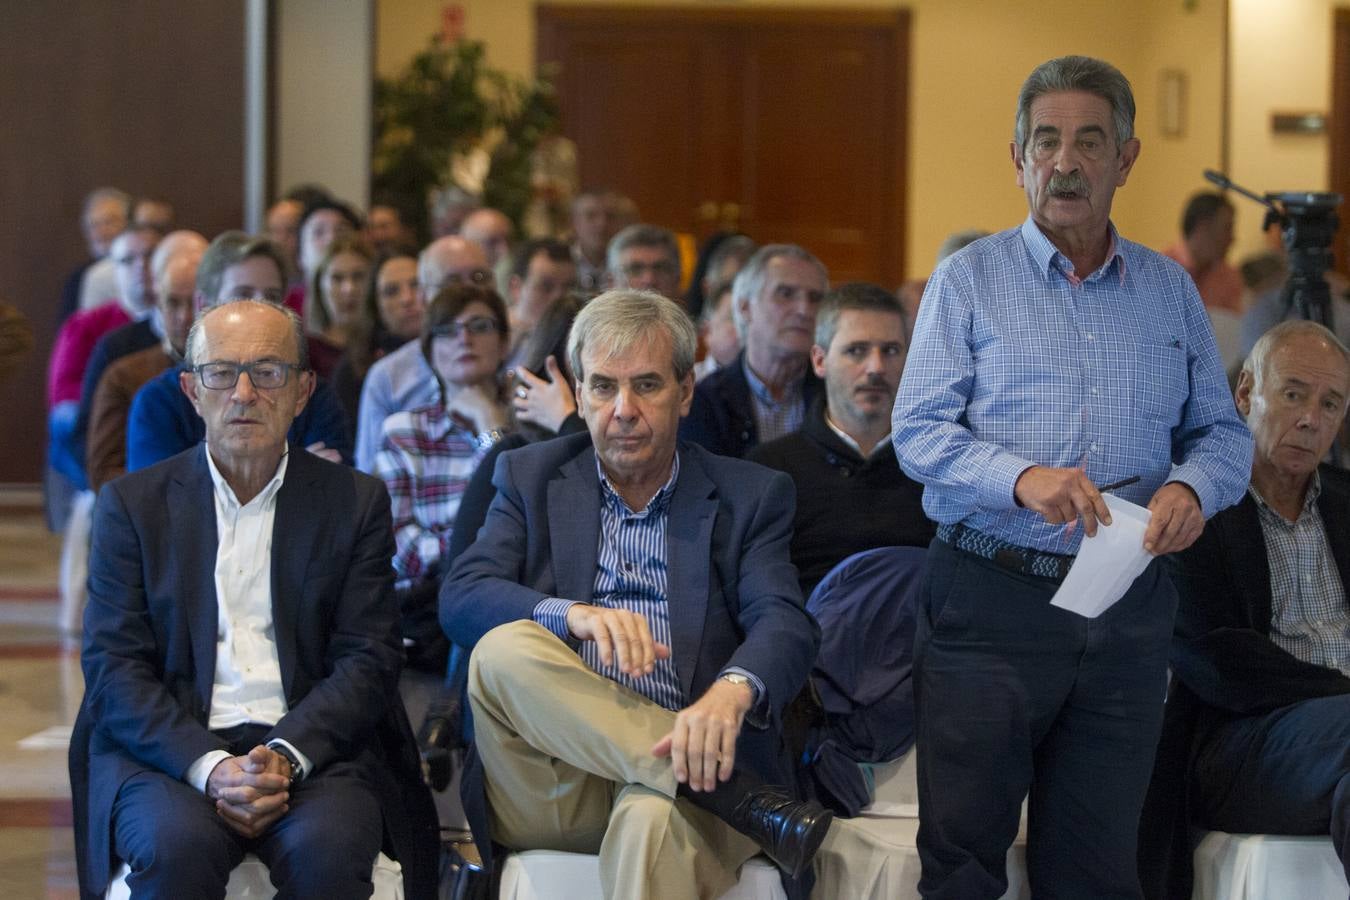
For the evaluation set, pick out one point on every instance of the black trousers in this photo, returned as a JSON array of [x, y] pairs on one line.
[[178, 846], [1284, 772], [1016, 697]]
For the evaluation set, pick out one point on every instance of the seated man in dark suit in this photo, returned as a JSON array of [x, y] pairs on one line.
[[851, 494], [161, 422], [631, 605], [1257, 734], [766, 392], [241, 650]]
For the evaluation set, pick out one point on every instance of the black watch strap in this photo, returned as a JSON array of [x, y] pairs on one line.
[[285, 752]]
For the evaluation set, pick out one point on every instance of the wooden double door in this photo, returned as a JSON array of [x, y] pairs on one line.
[[786, 124]]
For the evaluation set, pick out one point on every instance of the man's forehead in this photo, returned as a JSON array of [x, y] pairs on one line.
[[652, 355], [254, 271], [790, 270], [870, 325], [265, 331], [1308, 359], [541, 263], [1080, 107]]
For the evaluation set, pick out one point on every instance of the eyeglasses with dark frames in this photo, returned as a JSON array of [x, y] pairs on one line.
[[265, 374], [478, 325]]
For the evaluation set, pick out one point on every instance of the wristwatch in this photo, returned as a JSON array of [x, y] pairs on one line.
[[486, 439], [738, 678], [285, 753]]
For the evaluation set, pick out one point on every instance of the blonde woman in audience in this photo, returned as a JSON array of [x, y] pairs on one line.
[[429, 453]]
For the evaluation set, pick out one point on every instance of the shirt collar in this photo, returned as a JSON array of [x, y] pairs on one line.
[[655, 506], [852, 444], [761, 390], [226, 493], [1309, 500], [1048, 259]]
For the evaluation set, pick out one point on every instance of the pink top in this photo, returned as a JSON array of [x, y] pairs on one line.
[[73, 347]]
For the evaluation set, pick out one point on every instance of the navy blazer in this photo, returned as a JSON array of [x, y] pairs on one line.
[[1225, 665], [722, 416], [150, 630], [732, 589]]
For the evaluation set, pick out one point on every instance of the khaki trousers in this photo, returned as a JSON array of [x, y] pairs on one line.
[[567, 758]]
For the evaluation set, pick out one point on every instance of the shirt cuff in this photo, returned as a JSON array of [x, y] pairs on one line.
[[200, 771], [305, 765], [758, 714], [551, 612], [998, 485]]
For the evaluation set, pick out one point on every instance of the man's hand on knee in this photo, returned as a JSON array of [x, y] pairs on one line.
[[702, 745], [619, 634]]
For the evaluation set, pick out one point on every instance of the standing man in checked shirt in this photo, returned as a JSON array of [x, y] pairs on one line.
[[1049, 359], [636, 630]]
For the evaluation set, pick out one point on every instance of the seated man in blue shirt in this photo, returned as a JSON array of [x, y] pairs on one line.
[[636, 631], [1049, 360], [162, 423]]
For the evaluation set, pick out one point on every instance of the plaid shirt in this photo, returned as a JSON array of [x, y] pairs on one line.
[[1018, 361], [426, 461], [1309, 618], [775, 418]]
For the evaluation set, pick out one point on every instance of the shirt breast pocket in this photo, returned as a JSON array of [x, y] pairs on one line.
[[1161, 383]]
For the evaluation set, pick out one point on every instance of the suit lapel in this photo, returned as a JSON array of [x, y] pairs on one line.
[[573, 517], [1335, 508], [693, 510], [1250, 565], [293, 536], [191, 508]]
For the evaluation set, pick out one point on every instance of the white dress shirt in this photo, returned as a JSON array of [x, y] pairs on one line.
[[247, 686]]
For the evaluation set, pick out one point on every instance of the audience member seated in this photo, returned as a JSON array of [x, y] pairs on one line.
[[238, 688], [851, 494], [719, 259], [387, 226], [646, 258], [142, 334], [153, 212], [429, 453], [236, 266], [1256, 738], [1206, 235], [75, 343], [335, 306], [543, 405], [105, 215], [492, 230], [403, 380], [766, 392], [717, 332], [612, 668], [594, 224], [282, 227], [541, 275], [393, 316], [175, 274], [323, 221]]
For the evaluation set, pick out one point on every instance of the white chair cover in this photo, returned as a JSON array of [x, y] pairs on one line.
[[249, 881], [1266, 867], [554, 875]]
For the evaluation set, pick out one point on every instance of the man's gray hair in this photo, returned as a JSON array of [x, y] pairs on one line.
[[194, 338], [641, 235], [98, 195], [228, 249], [619, 319], [750, 279], [856, 295], [1255, 363], [1077, 73]]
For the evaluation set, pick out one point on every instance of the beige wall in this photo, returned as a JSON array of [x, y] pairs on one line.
[[1281, 62], [969, 57]]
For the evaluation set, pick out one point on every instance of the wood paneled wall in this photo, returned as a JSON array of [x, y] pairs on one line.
[[146, 96]]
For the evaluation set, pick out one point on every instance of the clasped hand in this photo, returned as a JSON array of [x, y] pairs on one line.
[[251, 792], [702, 745]]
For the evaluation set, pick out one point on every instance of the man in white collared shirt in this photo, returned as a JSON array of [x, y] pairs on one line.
[[240, 666]]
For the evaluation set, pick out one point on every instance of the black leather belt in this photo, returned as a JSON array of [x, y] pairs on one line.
[[1022, 560]]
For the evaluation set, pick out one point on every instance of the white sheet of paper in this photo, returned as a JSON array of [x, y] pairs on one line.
[[1107, 563]]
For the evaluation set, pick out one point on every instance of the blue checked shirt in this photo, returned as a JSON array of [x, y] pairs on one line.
[[775, 418], [1016, 361], [630, 574]]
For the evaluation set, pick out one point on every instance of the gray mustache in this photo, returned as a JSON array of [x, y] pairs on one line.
[[1072, 183]]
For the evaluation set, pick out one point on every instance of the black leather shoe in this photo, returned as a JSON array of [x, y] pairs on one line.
[[788, 831]]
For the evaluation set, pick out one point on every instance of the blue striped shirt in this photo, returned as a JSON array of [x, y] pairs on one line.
[[1017, 361]]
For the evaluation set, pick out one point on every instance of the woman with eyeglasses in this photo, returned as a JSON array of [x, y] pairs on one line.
[[429, 454], [335, 306], [393, 316]]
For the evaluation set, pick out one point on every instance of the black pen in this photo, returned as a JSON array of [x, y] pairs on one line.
[[1116, 485]]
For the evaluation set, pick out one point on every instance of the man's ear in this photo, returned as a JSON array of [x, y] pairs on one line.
[[1242, 394], [1129, 154], [818, 360], [307, 383], [187, 383], [686, 393], [1016, 153]]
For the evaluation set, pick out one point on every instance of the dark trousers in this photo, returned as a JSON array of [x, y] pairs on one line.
[[1014, 696], [178, 846], [1284, 772]]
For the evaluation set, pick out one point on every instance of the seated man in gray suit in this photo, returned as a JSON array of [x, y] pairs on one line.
[[636, 630], [241, 648]]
